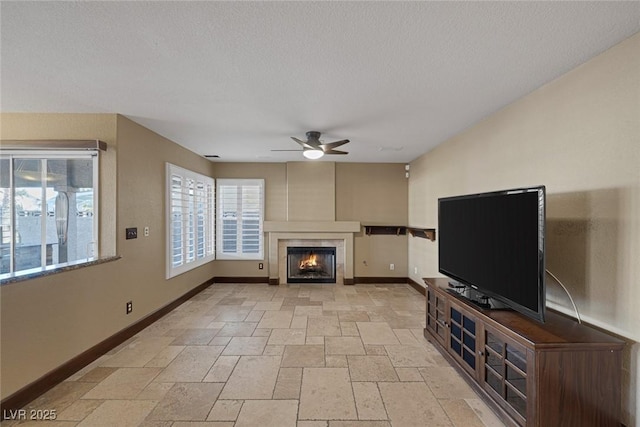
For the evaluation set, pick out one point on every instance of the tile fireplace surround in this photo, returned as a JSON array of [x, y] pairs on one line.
[[338, 234]]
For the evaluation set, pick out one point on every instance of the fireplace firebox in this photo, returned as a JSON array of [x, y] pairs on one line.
[[311, 264]]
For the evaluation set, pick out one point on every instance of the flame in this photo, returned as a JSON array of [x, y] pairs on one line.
[[312, 261]]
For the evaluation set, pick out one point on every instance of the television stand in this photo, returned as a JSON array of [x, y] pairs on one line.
[[557, 373]]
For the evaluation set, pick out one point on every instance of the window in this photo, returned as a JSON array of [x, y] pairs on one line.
[[48, 208], [190, 220], [240, 217]]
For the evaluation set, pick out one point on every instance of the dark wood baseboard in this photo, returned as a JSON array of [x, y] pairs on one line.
[[276, 282], [415, 285], [355, 280], [348, 282], [40, 386], [408, 280], [248, 279], [369, 280]]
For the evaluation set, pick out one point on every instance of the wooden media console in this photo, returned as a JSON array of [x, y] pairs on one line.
[[557, 373]]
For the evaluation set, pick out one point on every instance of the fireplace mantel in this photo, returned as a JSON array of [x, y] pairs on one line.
[[281, 233], [312, 226]]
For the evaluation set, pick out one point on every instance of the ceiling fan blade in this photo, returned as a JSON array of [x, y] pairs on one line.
[[336, 152], [304, 144], [336, 144]]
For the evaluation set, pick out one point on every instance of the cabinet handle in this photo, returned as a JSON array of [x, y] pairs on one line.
[[480, 353]]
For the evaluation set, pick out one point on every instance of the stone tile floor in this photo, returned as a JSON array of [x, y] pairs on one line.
[[253, 355]]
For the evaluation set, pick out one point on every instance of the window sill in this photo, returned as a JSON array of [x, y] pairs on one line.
[[33, 273], [257, 257]]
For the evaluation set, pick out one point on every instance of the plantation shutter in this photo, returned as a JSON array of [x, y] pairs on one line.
[[240, 218], [178, 200], [191, 220]]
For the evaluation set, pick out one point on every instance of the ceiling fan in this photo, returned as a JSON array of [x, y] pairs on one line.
[[313, 148]]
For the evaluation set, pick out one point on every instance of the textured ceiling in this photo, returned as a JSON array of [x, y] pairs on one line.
[[238, 79]]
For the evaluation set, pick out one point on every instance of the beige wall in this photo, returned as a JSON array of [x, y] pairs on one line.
[[76, 126], [369, 193], [311, 191], [275, 193], [374, 194], [580, 136], [275, 181], [142, 158], [49, 320]]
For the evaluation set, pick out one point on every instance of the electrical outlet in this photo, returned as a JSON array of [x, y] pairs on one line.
[[415, 270], [146, 232], [132, 233], [392, 266], [260, 266], [129, 307]]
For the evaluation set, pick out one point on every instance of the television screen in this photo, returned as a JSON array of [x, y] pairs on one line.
[[494, 242]]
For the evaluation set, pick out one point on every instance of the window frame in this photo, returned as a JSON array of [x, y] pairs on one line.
[[188, 264], [239, 254], [41, 154]]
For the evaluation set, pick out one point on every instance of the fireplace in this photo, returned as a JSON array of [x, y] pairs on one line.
[[306, 264], [285, 234]]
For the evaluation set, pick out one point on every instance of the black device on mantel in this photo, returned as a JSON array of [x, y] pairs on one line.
[[494, 243]]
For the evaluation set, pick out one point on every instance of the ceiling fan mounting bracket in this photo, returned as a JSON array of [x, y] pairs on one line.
[[312, 134]]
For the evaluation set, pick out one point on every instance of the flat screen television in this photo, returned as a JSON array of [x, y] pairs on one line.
[[494, 243]]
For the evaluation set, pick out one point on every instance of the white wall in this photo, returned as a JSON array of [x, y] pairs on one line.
[[580, 136]]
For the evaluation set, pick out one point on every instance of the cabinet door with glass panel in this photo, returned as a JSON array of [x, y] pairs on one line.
[[463, 330], [504, 372], [436, 314]]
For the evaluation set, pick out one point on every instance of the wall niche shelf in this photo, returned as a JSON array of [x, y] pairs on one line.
[[400, 230], [425, 233], [397, 230]]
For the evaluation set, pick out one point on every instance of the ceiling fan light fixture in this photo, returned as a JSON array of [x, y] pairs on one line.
[[313, 148], [313, 154]]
